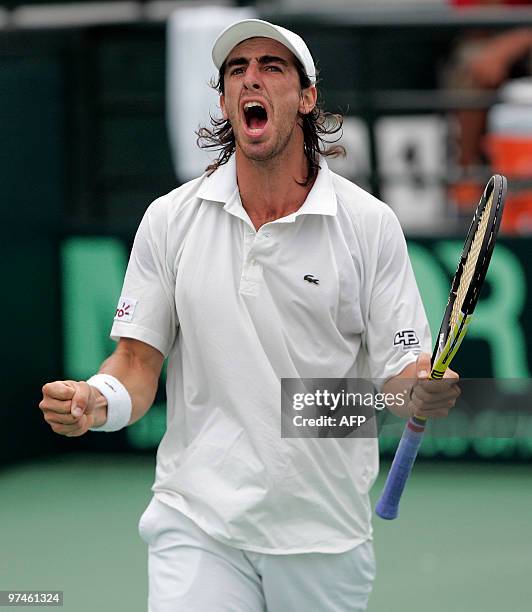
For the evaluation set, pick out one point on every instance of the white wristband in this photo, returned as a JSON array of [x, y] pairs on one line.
[[118, 401]]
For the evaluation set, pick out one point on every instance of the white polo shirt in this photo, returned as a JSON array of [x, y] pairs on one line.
[[231, 309]]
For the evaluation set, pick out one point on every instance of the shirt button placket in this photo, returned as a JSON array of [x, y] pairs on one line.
[[251, 270]]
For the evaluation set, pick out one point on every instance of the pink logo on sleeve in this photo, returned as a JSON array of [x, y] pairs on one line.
[[125, 309]]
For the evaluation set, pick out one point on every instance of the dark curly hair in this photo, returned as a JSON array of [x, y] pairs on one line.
[[316, 125]]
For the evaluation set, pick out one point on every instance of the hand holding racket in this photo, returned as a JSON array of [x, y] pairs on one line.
[[465, 289], [431, 398]]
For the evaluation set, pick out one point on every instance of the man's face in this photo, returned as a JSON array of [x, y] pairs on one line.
[[262, 97]]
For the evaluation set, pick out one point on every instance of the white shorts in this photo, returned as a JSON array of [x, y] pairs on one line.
[[189, 571]]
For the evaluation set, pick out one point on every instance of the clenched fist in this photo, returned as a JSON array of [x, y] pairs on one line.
[[71, 408]]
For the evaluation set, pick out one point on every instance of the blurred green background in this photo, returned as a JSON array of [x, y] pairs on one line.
[[461, 543]]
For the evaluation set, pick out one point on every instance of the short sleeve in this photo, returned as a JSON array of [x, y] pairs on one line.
[[397, 327], [146, 307]]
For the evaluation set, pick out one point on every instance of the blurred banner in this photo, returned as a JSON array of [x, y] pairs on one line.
[[190, 101]]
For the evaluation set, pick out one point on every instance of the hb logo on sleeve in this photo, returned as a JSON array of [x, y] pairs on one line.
[[125, 309], [406, 338]]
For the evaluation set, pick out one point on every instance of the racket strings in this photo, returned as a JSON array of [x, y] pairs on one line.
[[471, 263]]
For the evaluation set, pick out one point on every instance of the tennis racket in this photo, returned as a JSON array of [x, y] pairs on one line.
[[465, 289]]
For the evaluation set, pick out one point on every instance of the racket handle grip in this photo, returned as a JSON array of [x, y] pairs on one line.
[[388, 505]]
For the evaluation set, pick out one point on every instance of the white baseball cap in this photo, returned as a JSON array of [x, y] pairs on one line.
[[251, 28]]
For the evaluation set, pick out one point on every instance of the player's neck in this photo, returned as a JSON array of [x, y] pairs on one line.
[[272, 189]]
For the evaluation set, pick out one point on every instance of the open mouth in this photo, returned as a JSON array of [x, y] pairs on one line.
[[255, 115]]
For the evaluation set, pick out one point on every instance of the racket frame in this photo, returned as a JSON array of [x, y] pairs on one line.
[[448, 343]]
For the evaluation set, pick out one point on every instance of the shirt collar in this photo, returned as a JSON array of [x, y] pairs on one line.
[[322, 198], [221, 186]]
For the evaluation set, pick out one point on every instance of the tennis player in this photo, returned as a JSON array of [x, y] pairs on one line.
[[268, 266]]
